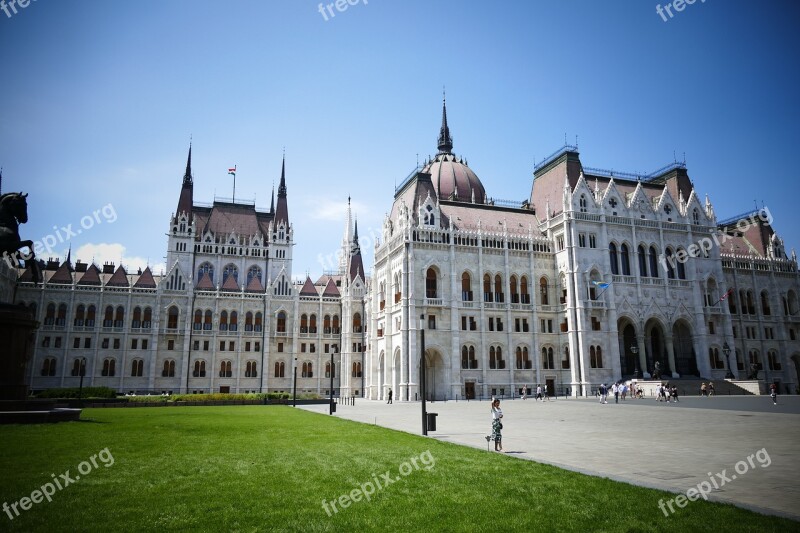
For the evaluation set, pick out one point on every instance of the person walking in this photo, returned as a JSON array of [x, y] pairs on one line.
[[711, 389], [615, 390], [524, 388], [603, 393], [390, 396], [539, 393], [773, 392], [497, 425]]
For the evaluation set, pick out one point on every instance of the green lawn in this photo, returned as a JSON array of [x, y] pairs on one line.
[[269, 468]]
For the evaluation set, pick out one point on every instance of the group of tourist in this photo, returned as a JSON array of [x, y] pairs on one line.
[[666, 393], [707, 390]]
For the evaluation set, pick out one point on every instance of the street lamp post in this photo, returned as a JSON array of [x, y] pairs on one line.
[[727, 351], [294, 385], [82, 373], [331, 407], [422, 373], [635, 352]]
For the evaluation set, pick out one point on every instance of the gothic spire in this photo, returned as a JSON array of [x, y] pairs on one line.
[[187, 176], [445, 140], [282, 212], [272, 204]]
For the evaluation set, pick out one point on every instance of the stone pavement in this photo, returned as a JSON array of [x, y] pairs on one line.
[[671, 447]]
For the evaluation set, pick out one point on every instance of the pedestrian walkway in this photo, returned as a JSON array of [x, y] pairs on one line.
[[673, 447]]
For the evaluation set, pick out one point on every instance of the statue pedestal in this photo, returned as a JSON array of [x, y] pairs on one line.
[[16, 341]]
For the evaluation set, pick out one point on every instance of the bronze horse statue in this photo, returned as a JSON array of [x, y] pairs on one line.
[[13, 212]]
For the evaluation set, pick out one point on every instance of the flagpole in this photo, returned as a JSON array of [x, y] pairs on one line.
[[232, 171]]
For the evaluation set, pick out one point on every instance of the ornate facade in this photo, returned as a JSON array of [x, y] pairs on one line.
[[595, 277]]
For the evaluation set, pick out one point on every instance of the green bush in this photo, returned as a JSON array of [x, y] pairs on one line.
[[219, 396], [73, 392]]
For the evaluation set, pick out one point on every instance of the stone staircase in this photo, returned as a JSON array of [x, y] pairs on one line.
[[691, 387]]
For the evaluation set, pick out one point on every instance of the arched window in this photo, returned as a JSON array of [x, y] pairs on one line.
[[137, 368], [225, 369], [751, 308], [582, 202], [525, 297], [207, 320], [681, 265], [547, 359], [312, 323], [172, 318], [119, 317], [430, 283], [259, 323], [328, 370], [248, 321], [492, 358], [466, 287], [223, 321], [326, 324], [136, 322], [61, 320], [642, 261], [464, 357], [731, 297], [523, 362], [205, 268], [357, 370], [109, 367], [50, 316], [487, 288], [695, 217], [253, 272], [670, 264], [80, 315], [357, 323], [280, 369], [714, 359], [91, 313], [335, 328], [565, 361], [308, 371], [653, 262], [304, 323], [473, 362], [230, 270], [280, 325], [76, 367], [108, 317], [765, 303], [147, 318], [199, 369], [49, 366], [612, 255], [595, 357], [543, 293], [773, 359], [251, 370], [233, 325], [514, 294], [498, 289], [625, 261]]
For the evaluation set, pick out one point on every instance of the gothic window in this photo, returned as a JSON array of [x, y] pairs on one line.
[[642, 261], [612, 255], [466, 287], [653, 262], [109, 367], [49, 366], [205, 268], [137, 368], [543, 293], [280, 369], [253, 272], [172, 318], [430, 283], [625, 260]]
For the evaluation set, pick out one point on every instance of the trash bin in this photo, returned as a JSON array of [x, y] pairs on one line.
[[432, 421]]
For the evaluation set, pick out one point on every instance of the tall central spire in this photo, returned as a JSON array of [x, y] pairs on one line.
[[282, 210], [445, 141], [187, 176]]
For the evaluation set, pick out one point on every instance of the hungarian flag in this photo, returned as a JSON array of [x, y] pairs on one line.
[[232, 171], [725, 296], [602, 284]]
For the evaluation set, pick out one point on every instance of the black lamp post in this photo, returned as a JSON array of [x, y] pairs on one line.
[[422, 373], [727, 351], [635, 352], [82, 373], [294, 386], [331, 407]]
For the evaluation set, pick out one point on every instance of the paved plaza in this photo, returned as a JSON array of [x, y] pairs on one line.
[[672, 447]]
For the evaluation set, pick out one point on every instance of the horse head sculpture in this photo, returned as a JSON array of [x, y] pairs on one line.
[[13, 212]]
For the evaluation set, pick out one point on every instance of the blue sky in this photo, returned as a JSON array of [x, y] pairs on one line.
[[100, 100]]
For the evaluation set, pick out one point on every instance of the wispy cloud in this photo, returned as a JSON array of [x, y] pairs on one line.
[[335, 211], [100, 253]]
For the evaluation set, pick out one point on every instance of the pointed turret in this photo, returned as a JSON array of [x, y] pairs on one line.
[[187, 190], [272, 203], [356, 262], [445, 140], [282, 213]]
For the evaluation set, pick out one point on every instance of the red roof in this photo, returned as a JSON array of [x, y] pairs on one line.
[[205, 282], [330, 289], [119, 279], [230, 284], [308, 288], [62, 275], [225, 218], [91, 276], [255, 285], [146, 280]]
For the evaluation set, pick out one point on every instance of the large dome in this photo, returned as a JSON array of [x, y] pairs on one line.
[[453, 179]]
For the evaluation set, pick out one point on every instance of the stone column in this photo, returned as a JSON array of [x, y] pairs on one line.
[[671, 356]]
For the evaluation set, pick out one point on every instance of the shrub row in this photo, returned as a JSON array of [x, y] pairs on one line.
[[72, 392]]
